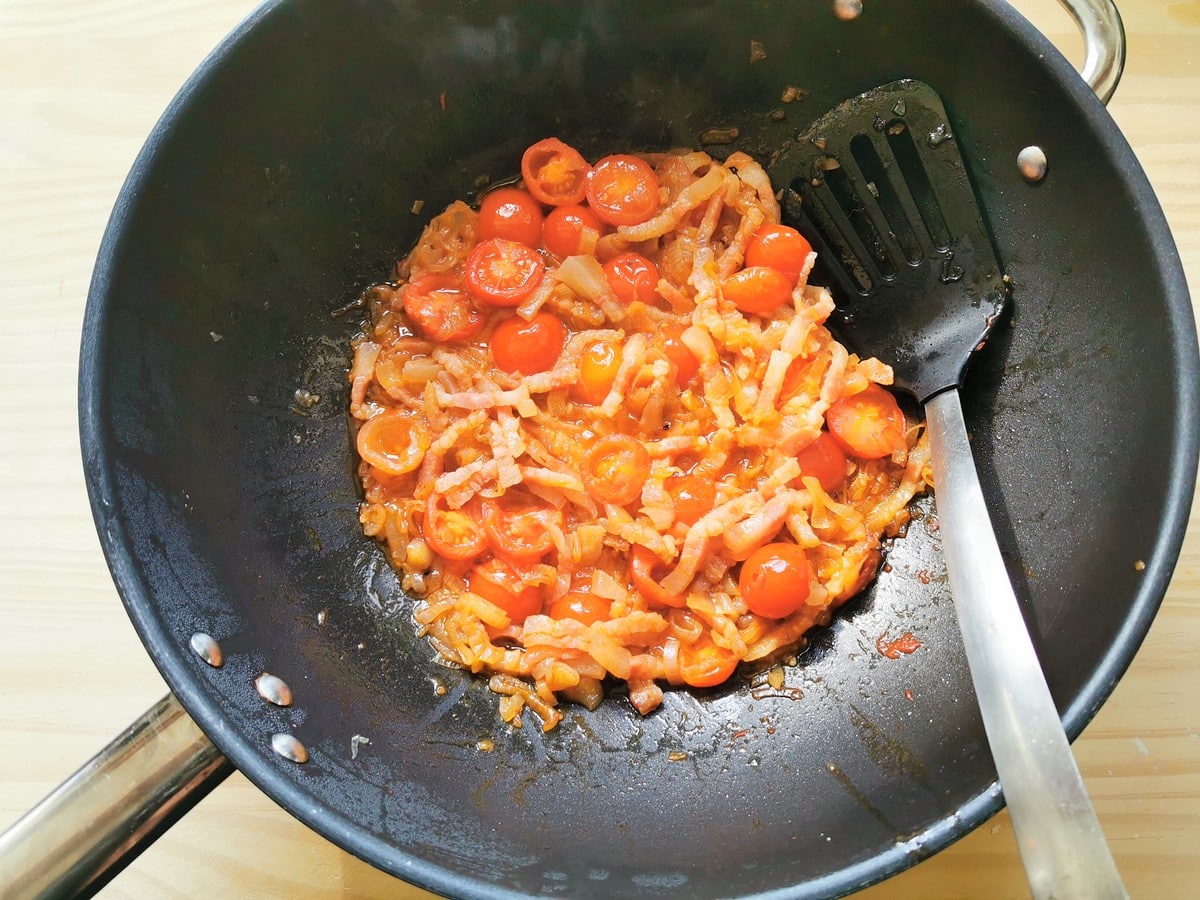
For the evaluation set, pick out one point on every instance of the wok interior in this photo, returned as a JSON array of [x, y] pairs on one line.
[[282, 185]]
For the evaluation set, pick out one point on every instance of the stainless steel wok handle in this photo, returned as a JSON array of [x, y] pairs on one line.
[[104, 815], [1061, 844], [1103, 42]]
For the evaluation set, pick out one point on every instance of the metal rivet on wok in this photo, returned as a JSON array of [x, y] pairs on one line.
[[205, 647], [289, 748], [273, 689], [1032, 163], [847, 9]]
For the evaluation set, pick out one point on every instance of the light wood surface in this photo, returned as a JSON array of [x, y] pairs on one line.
[[81, 84]]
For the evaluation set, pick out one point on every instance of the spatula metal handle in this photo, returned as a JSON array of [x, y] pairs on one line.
[[1061, 844]]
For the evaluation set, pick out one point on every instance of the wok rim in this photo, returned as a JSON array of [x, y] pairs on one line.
[[254, 761]]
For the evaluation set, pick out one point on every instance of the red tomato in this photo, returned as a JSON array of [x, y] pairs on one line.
[[758, 289], [632, 277], [685, 362], [520, 527], [582, 606], [693, 496], [511, 214], [824, 460], [392, 442], [503, 273], [452, 533], [780, 247], [499, 583], [869, 424], [643, 564], [703, 664], [528, 347], [623, 190], [774, 580], [555, 173], [598, 371], [440, 309], [614, 469], [563, 230]]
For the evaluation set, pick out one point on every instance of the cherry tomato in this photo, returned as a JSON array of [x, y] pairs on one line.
[[563, 230], [499, 583], [440, 309], [452, 533], [622, 190], [528, 347], [614, 469], [758, 289], [774, 580], [520, 527], [582, 606], [643, 564], [693, 496], [555, 173], [597, 371], [632, 277], [825, 461], [869, 424], [503, 273], [392, 443], [780, 247], [685, 362], [703, 664], [511, 214]]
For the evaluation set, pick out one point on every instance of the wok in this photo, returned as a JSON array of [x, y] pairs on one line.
[[278, 185]]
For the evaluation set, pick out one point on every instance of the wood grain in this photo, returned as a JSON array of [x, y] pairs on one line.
[[81, 84]]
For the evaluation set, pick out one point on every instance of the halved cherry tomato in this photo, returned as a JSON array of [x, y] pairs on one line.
[[519, 526], [703, 664], [583, 606], [563, 230], [774, 580], [693, 497], [632, 277], [503, 273], [512, 214], [685, 362], [758, 289], [614, 469], [597, 371], [392, 442], [500, 583], [452, 533], [623, 190], [555, 173], [781, 247], [825, 461], [869, 424], [528, 347], [643, 564], [440, 309]]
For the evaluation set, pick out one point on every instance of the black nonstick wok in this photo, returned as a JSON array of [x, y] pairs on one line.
[[213, 395]]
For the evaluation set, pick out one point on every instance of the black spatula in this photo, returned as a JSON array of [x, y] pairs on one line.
[[880, 189]]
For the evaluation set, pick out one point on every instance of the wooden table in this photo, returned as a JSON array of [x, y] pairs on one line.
[[81, 84]]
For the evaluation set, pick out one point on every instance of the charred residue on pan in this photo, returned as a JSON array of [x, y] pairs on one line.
[[889, 754], [773, 682], [859, 797]]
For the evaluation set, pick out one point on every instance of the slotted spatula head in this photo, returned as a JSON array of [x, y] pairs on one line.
[[879, 188]]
